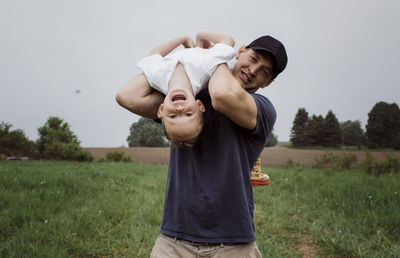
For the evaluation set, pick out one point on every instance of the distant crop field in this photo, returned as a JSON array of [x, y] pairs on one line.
[[270, 157], [67, 209]]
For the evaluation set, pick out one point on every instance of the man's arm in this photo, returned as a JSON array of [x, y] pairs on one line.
[[229, 98], [138, 97]]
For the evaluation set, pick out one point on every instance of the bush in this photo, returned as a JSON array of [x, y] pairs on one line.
[[370, 165], [116, 156], [83, 155], [57, 150], [291, 164], [16, 143], [58, 142], [336, 162]]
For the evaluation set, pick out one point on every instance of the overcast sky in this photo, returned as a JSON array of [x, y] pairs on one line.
[[343, 56]]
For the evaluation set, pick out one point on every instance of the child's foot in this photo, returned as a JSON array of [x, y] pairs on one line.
[[259, 178]]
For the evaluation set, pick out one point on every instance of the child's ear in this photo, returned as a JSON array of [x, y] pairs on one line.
[[160, 110], [201, 105]]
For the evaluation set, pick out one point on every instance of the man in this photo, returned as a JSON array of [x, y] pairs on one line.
[[209, 206]]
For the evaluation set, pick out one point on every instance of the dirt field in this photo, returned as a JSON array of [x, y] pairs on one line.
[[270, 157]]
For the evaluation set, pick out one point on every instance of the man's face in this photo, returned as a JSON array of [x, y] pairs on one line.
[[252, 70]]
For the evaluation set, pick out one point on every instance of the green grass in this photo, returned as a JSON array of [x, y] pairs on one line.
[[60, 209], [65, 209], [341, 214]]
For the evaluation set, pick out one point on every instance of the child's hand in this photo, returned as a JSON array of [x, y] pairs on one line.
[[203, 43], [206, 44], [188, 43], [209, 39]]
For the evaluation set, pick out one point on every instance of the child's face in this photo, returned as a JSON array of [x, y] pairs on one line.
[[181, 113]]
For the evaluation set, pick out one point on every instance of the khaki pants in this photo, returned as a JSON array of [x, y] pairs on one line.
[[171, 247]]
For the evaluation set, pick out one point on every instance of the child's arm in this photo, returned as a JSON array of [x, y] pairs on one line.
[[170, 45], [138, 97], [203, 39]]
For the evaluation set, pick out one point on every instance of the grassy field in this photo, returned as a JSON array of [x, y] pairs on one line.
[[65, 209]]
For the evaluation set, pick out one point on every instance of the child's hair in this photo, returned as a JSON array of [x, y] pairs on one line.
[[189, 142]]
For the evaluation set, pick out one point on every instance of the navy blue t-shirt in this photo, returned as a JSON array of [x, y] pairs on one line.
[[209, 197]]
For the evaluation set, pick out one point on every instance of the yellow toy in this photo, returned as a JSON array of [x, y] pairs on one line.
[[257, 177]]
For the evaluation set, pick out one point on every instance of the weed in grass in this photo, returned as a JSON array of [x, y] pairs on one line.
[[332, 161], [391, 164]]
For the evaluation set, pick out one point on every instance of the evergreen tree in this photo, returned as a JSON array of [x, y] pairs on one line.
[[298, 132], [146, 132], [383, 125], [396, 142], [315, 130], [332, 133], [352, 133]]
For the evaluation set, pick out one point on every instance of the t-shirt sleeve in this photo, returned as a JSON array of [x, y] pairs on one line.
[[154, 68], [220, 53], [266, 117]]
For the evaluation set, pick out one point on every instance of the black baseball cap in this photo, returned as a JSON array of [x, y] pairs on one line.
[[275, 48]]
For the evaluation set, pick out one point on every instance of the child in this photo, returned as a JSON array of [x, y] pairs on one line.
[[180, 76]]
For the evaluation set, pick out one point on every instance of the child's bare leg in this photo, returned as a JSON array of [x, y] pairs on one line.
[[138, 97]]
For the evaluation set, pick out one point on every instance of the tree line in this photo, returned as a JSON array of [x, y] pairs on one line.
[[147, 133], [382, 129], [56, 142]]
